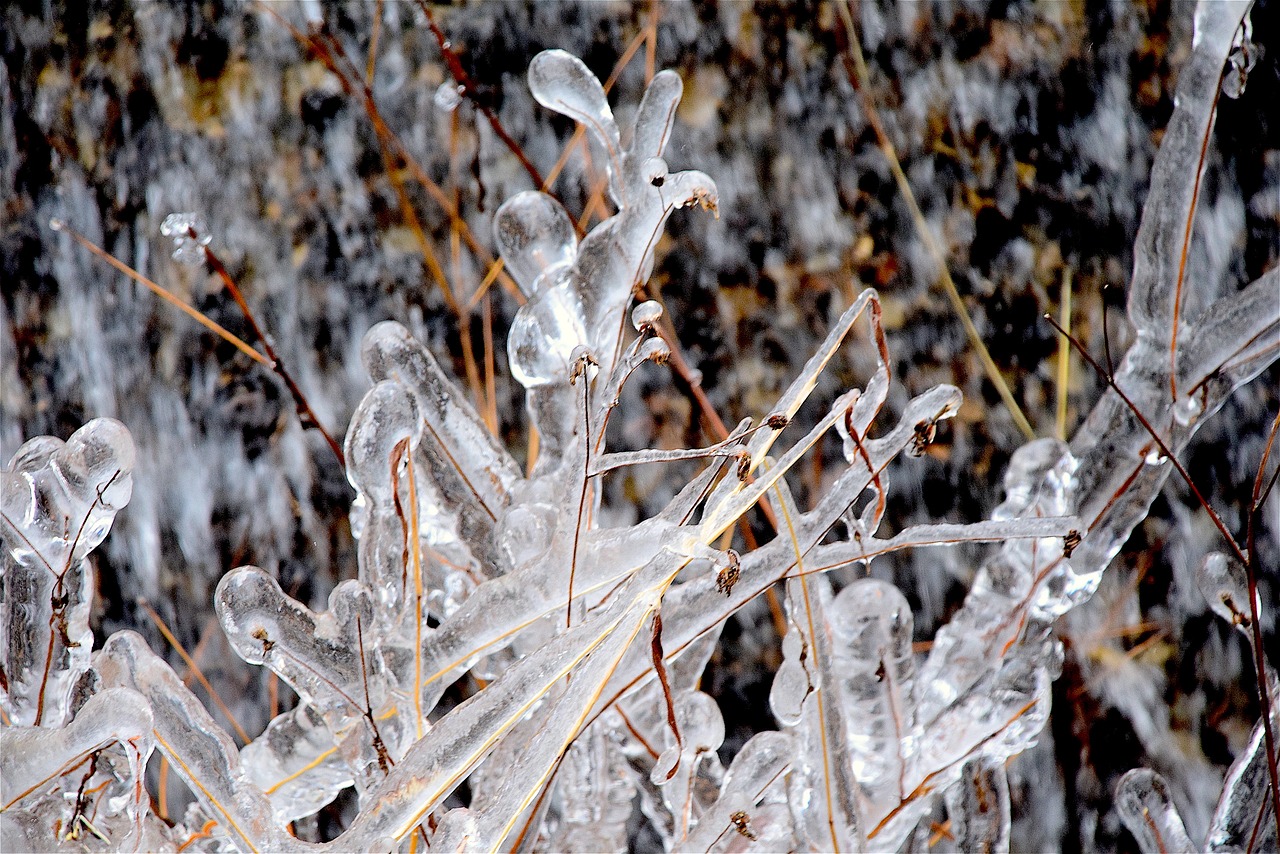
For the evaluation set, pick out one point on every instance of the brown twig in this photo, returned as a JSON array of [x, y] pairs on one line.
[[306, 414], [167, 296], [655, 646], [468, 90]]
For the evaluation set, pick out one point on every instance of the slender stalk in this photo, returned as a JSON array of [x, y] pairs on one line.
[[860, 78], [305, 412]]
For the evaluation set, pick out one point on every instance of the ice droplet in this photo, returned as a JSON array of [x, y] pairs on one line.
[[181, 226], [448, 97], [1187, 410], [1243, 56], [646, 314], [1154, 457]]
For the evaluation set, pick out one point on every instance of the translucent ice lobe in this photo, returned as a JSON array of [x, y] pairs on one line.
[[1246, 795], [60, 498], [471, 469], [294, 762], [317, 654], [653, 122], [874, 669], [1145, 806], [1158, 249], [562, 82], [536, 238], [387, 416], [546, 331], [58, 501], [201, 752], [32, 755], [757, 768]]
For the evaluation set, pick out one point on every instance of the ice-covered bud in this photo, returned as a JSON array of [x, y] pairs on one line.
[[448, 97], [1243, 56], [654, 350], [190, 236]]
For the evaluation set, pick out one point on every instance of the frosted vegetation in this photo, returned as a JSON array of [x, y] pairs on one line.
[[587, 641]]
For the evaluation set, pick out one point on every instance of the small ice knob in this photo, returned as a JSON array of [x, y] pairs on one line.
[[646, 315]]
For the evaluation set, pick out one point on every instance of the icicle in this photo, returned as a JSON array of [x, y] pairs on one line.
[[874, 668]]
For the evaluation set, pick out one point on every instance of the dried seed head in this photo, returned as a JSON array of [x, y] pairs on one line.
[[742, 824], [729, 573], [1070, 542]]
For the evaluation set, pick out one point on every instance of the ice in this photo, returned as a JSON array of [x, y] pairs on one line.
[[646, 315], [58, 502], [1145, 805], [190, 235], [470, 567], [562, 82], [536, 239], [448, 96], [875, 670], [978, 808], [1243, 56], [1223, 583], [1246, 794], [546, 332]]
